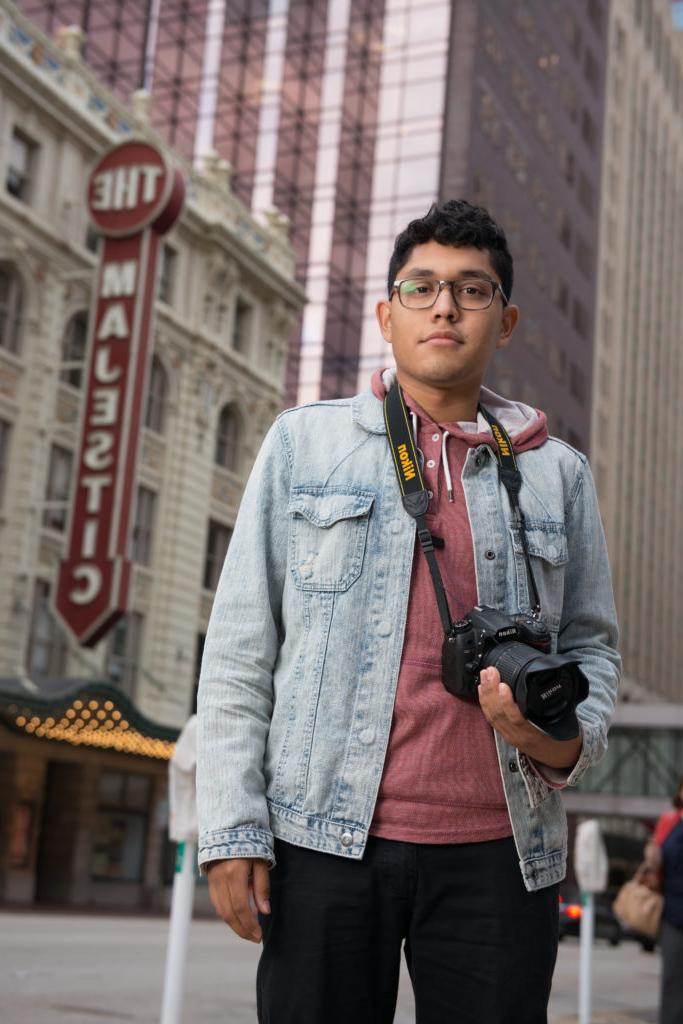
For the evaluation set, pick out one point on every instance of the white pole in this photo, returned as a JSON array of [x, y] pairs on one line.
[[586, 957], [181, 915]]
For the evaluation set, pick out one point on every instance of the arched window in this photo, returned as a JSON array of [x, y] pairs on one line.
[[228, 439], [155, 414], [73, 349], [11, 307]]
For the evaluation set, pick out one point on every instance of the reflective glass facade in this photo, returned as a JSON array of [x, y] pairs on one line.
[[352, 117]]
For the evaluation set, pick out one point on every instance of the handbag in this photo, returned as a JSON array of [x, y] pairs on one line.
[[639, 906]]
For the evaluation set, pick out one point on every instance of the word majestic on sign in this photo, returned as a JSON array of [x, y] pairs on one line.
[[134, 196], [102, 417]]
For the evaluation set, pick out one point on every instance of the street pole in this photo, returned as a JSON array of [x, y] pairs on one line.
[[181, 915], [586, 957]]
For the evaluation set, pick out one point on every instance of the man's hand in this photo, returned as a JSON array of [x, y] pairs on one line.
[[500, 711], [238, 888]]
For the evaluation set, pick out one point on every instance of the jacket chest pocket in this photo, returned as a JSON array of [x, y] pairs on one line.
[[547, 543], [329, 529]]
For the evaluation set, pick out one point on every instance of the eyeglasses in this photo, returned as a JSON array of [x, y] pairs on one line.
[[468, 293]]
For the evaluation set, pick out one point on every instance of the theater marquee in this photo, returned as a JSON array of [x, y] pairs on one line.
[[134, 197]]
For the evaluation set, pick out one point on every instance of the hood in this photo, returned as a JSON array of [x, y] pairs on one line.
[[526, 426]]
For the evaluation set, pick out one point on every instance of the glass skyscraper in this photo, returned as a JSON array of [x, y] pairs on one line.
[[352, 117]]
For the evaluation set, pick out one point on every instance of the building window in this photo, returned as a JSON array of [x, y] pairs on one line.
[[564, 228], [217, 543], [143, 526], [155, 413], [118, 852], [92, 239], [5, 431], [596, 15], [166, 274], [228, 439], [586, 193], [47, 646], [580, 319], [21, 167], [123, 652], [11, 308], [560, 294], [242, 327], [57, 490], [73, 349], [577, 383], [588, 130]]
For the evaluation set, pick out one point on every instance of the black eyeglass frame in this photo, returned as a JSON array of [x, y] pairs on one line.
[[442, 284]]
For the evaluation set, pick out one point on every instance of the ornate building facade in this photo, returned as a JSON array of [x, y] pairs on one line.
[[225, 304]]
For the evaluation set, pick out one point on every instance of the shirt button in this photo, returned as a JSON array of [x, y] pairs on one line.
[[396, 526], [430, 494], [477, 460], [384, 628], [512, 765], [430, 464], [436, 437], [346, 839], [367, 736], [489, 554]]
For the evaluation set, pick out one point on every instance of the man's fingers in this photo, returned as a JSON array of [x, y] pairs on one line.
[[229, 887], [260, 883], [244, 920]]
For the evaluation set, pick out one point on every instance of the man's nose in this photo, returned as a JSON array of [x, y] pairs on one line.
[[445, 304]]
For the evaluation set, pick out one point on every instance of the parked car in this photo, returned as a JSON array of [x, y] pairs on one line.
[[571, 911]]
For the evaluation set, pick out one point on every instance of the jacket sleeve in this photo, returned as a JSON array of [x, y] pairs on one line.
[[588, 627], [235, 696]]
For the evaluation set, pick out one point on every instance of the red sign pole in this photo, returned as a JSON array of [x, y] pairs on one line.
[[134, 196]]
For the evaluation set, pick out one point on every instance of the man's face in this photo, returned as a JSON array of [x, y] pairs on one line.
[[445, 346]]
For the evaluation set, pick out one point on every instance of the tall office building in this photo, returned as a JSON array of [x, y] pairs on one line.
[[351, 117], [637, 413]]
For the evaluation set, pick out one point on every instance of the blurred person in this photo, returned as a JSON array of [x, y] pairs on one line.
[[349, 805], [664, 856]]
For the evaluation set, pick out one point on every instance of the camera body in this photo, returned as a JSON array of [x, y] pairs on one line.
[[546, 687]]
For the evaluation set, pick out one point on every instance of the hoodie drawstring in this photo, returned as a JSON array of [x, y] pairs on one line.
[[420, 454], [446, 468]]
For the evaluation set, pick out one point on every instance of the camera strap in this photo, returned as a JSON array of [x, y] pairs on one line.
[[413, 491], [511, 479], [416, 498]]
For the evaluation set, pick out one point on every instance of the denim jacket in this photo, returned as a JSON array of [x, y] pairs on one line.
[[304, 643]]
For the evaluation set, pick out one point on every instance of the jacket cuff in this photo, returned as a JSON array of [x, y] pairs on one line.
[[230, 843], [554, 778], [560, 778]]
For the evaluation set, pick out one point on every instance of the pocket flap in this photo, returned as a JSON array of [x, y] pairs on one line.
[[324, 507], [546, 540]]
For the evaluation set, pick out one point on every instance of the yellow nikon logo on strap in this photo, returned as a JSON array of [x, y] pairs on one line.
[[407, 464], [502, 443]]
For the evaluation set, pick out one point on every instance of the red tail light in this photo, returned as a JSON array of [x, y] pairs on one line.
[[574, 911]]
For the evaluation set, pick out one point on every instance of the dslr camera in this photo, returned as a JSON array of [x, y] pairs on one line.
[[546, 687]]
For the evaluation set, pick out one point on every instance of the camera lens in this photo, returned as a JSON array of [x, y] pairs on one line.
[[546, 687]]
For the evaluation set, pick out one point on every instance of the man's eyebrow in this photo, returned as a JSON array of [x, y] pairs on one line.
[[425, 272]]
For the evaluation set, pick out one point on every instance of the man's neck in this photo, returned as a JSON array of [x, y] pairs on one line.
[[444, 405]]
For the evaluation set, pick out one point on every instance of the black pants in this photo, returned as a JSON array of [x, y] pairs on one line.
[[478, 946]]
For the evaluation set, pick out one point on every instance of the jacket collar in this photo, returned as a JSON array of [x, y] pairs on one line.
[[368, 412]]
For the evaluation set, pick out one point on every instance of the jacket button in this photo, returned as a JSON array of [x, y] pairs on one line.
[[346, 839], [512, 765], [489, 553]]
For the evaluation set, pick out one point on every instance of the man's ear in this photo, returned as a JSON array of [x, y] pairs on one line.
[[509, 321], [383, 314]]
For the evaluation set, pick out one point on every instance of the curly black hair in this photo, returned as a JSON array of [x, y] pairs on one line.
[[458, 223]]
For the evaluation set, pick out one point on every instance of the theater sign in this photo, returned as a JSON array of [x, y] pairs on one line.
[[134, 197]]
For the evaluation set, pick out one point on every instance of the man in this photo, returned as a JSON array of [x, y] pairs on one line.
[[349, 804]]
